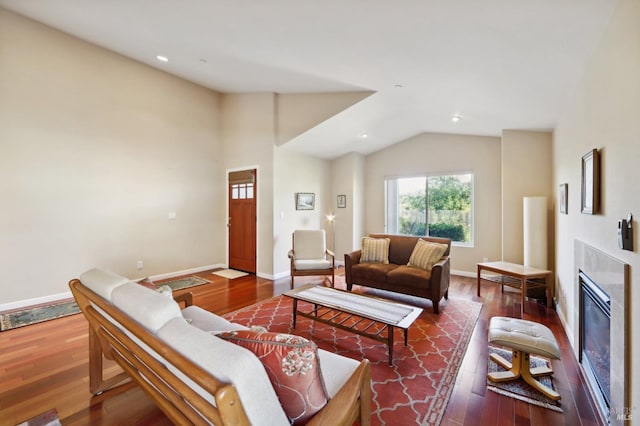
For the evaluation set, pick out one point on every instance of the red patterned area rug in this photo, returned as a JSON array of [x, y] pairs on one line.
[[416, 388]]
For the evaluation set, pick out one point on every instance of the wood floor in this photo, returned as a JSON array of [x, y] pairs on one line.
[[45, 365]]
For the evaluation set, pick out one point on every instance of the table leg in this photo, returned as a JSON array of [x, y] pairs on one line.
[[547, 281], [478, 280], [295, 310], [524, 296], [390, 343], [406, 330]]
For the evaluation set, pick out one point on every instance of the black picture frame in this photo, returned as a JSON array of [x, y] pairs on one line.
[[305, 201], [590, 183], [342, 201], [563, 201]]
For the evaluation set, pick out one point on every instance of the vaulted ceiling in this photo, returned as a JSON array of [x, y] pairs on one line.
[[497, 64]]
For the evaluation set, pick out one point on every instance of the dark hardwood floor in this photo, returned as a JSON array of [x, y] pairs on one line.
[[45, 365]]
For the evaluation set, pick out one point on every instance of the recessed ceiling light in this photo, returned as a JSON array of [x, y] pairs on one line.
[[456, 118], [162, 58], [364, 135]]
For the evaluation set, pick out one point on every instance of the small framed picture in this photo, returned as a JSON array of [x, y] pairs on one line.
[[305, 200], [590, 183], [342, 201], [562, 197]]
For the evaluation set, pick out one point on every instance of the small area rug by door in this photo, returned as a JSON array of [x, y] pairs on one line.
[[230, 273], [180, 283], [416, 388], [519, 389], [48, 418]]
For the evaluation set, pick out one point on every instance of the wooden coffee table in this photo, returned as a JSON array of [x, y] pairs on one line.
[[358, 313], [522, 273]]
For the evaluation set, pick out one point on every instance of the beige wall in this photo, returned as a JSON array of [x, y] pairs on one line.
[[295, 172], [248, 134], [347, 174], [604, 115], [444, 153], [96, 151], [526, 172]]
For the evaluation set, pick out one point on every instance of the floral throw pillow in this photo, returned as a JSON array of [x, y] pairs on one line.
[[426, 254], [375, 250], [293, 367]]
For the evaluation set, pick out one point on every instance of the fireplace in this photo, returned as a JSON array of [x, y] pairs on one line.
[[601, 329], [595, 341]]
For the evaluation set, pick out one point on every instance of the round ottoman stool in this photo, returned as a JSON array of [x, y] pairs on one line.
[[523, 338]]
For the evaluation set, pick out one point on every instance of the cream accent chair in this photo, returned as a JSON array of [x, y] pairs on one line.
[[310, 256]]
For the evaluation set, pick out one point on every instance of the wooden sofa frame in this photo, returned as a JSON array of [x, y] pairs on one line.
[[174, 397]]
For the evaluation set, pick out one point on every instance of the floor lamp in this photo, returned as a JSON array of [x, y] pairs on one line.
[[331, 217]]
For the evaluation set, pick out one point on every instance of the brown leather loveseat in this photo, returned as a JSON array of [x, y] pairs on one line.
[[397, 276]]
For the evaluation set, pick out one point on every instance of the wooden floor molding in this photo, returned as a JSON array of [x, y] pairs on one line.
[[45, 365]]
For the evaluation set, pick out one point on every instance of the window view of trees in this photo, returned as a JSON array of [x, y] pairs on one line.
[[437, 206]]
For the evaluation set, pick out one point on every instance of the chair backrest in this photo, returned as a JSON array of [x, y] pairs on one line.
[[309, 243]]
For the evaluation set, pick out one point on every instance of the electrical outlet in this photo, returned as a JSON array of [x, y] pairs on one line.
[[140, 264]]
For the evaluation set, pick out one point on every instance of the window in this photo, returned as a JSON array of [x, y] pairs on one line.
[[241, 191], [435, 206]]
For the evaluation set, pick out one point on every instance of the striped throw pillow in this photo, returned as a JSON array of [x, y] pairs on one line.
[[375, 250], [425, 254]]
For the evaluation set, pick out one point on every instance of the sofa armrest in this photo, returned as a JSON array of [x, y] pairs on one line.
[[186, 298], [352, 402], [440, 274]]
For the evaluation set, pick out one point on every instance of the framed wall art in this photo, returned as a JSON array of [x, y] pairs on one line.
[[562, 197], [305, 200], [342, 201], [590, 183]]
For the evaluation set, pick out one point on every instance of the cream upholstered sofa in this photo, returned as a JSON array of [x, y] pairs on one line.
[[193, 375], [395, 275]]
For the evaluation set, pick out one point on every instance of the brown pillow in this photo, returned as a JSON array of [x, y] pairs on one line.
[[426, 254], [293, 367]]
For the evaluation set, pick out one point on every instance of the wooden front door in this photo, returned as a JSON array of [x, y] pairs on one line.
[[242, 220]]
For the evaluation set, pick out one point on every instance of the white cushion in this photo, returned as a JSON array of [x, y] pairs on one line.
[[208, 321], [309, 244], [102, 282], [148, 307], [229, 363], [526, 336], [305, 265], [336, 370]]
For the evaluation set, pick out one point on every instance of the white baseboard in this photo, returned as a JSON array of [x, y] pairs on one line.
[[67, 295], [187, 271], [464, 273]]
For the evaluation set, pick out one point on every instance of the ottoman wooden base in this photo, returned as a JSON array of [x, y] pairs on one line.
[[522, 337]]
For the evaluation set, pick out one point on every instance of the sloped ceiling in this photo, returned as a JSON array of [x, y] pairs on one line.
[[498, 64]]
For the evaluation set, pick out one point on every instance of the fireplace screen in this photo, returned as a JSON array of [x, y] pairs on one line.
[[595, 325]]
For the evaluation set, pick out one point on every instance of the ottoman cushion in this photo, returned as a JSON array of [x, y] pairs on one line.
[[526, 336]]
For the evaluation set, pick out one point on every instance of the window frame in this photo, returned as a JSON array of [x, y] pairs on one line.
[[396, 178]]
